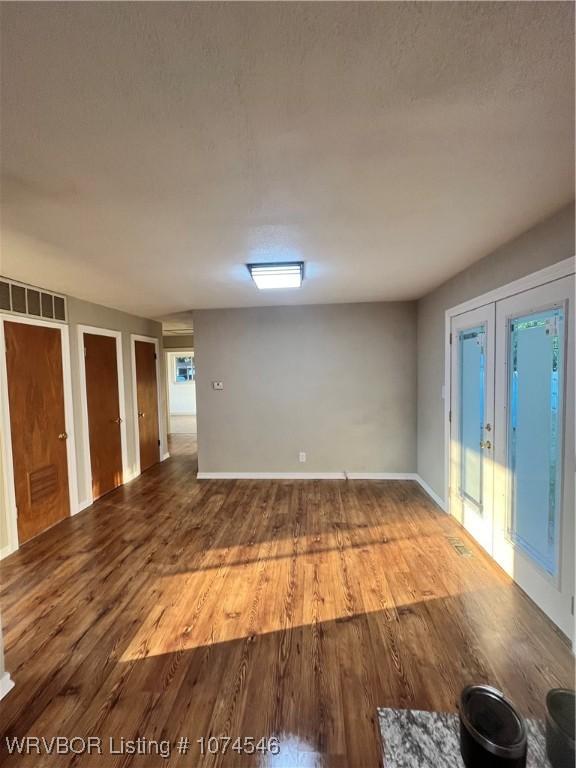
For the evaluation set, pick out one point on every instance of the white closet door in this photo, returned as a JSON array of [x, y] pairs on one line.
[[472, 419], [534, 446]]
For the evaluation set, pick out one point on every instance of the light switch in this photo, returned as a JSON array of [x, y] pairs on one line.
[[217, 385]]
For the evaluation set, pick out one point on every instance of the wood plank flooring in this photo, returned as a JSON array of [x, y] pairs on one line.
[[175, 607]]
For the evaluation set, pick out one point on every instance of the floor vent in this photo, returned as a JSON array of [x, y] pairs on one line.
[[459, 546], [22, 299]]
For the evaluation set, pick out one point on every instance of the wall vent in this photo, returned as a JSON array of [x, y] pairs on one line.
[[21, 299]]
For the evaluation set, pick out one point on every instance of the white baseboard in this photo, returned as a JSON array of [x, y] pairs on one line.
[[271, 476], [380, 476], [7, 550], [6, 684], [83, 505], [165, 456], [434, 496], [307, 476]]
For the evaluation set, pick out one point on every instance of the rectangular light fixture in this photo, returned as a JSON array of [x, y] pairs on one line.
[[282, 274]]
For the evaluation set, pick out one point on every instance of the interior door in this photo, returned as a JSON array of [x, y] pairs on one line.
[[103, 402], [534, 492], [147, 403], [472, 420], [37, 426]]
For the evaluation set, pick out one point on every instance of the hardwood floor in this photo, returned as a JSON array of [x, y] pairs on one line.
[[175, 607]]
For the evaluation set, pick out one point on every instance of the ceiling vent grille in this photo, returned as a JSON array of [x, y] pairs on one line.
[[21, 299]]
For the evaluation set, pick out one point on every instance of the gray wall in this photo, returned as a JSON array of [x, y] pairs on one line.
[[547, 243], [178, 341], [85, 313], [337, 381]]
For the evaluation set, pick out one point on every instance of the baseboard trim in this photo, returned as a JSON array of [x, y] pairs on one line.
[[6, 684], [433, 495], [7, 550], [380, 476], [271, 476], [307, 476], [129, 476], [84, 505]]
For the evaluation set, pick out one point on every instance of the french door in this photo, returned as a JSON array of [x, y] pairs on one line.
[[534, 480], [471, 423], [512, 439]]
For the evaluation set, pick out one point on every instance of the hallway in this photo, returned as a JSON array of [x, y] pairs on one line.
[[184, 446]]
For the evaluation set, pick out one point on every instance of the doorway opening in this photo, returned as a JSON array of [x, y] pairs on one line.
[[181, 401]]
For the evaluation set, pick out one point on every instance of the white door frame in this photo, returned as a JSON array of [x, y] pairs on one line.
[[535, 279], [90, 329], [134, 337], [6, 448]]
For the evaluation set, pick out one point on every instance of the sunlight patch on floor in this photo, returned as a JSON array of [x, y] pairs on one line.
[[270, 587]]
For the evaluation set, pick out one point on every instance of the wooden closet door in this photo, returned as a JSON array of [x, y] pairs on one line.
[[103, 413], [147, 402], [37, 426]]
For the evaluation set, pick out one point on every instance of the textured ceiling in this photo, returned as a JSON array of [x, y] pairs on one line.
[[149, 150]]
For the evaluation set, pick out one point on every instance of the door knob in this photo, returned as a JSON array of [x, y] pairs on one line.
[[140, 414], [63, 436], [488, 427], [117, 420], [485, 444]]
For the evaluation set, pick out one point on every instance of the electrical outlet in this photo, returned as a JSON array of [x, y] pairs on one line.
[[217, 385], [302, 457]]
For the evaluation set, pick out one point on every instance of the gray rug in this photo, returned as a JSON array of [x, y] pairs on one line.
[[415, 739]]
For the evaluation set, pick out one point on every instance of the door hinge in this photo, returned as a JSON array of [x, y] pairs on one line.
[[450, 416], [158, 442], [155, 356], [450, 337], [572, 606]]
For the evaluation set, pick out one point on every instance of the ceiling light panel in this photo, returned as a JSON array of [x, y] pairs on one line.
[[277, 276]]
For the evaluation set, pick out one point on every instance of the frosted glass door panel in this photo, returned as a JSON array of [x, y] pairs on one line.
[[471, 487], [472, 387], [536, 364]]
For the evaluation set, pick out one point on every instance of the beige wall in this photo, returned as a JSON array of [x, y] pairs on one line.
[[337, 381], [547, 243], [85, 313]]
